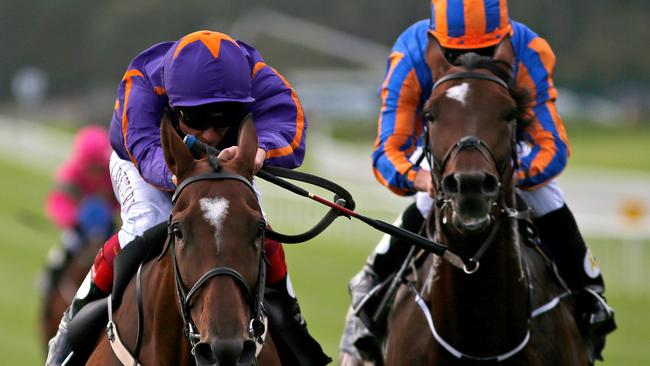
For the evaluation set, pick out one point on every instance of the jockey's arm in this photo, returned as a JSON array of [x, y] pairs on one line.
[[140, 124], [399, 126], [546, 136], [280, 121]]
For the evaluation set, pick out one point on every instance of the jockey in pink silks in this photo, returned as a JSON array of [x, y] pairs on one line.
[[82, 202]]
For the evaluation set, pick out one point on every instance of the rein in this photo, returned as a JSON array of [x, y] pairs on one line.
[[344, 206]]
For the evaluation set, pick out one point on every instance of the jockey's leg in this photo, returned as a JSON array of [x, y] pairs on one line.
[[359, 333], [142, 207], [559, 232], [291, 338], [96, 285], [294, 343]]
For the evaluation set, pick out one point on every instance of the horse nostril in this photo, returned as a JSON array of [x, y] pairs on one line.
[[463, 183], [490, 185], [450, 184], [204, 355], [248, 353]]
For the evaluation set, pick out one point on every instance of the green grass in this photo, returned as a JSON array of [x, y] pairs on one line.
[[321, 269], [621, 147], [26, 237]]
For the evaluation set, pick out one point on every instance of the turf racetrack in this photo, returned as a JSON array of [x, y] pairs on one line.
[[319, 270]]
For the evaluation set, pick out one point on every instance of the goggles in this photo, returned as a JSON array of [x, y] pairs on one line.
[[217, 115]]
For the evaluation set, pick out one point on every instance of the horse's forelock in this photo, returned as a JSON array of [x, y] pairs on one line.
[[503, 71]]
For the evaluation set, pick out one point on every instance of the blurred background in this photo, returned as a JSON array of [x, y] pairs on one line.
[[62, 62]]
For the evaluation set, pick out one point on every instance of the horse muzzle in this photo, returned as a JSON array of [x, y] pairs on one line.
[[471, 195], [236, 352]]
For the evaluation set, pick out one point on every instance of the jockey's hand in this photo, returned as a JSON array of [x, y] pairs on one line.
[[174, 180], [229, 153], [423, 182]]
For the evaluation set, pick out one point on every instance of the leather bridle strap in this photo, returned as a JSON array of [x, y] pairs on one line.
[[256, 326], [210, 176], [255, 303], [113, 335], [470, 75], [544, 308]]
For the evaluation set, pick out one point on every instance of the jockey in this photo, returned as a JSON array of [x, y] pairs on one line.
[[210, 82], [461, 26], [81, 183]]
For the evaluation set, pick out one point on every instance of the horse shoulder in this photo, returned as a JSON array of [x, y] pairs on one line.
[[269, 354], [556, 329], [103, 354], [408, 335], [125, 318]]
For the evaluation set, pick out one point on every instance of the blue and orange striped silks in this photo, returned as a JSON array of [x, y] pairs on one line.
[[408, 84], [469, 24]]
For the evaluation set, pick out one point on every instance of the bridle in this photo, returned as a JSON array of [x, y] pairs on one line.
[[254, 297], [471, 142]]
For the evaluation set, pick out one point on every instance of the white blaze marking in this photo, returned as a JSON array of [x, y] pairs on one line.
[[214, 211], [458, 92]]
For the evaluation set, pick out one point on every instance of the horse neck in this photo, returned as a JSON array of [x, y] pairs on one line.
[[165, 331], [490, 305]]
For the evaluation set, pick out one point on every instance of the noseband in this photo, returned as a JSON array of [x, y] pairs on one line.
[[471, 142], [254, 298]]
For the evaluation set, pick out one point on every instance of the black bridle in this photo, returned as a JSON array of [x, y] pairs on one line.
[[471, 142], [254, 297]]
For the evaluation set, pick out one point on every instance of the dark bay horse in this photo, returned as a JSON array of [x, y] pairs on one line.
[[507, 306], [201, 299]]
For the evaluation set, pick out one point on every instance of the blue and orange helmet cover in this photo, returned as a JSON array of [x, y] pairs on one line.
[[206, 67], [469, 24]]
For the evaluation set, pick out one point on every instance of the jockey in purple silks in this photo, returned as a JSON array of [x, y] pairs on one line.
[[210, 82], [461, 26]]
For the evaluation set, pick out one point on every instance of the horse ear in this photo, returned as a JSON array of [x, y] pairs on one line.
[[247, 144], [178, 157], [504, 52], [436, 58]]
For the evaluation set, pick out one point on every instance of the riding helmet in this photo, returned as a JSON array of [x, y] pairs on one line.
[[206, 67], [469, 24]]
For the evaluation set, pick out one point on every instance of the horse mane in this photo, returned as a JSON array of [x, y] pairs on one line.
[[503, 71]]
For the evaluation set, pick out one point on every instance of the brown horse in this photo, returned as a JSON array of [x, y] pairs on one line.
[[512, 309], [201, 300]]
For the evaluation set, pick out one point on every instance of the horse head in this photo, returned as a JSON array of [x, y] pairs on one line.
[[216, 236], [472, 117]]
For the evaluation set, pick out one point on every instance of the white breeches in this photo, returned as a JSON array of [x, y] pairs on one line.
[[142, 205]]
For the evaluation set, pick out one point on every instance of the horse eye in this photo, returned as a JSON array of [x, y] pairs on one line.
[[178, 232], [260, 230], [511, 117], [429, 117]]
